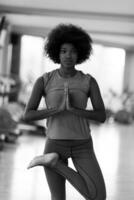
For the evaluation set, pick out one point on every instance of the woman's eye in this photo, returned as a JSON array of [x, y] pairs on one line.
[[63, 51]]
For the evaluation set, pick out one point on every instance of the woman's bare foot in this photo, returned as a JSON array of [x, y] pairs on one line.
[[49, 160]]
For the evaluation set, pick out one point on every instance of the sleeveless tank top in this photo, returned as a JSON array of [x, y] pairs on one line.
[[66, 125]]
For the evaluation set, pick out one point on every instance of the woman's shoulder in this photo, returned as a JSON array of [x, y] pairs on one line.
[[38, 82], [42, 79], [85, 75], [48, 75], [89, 79]]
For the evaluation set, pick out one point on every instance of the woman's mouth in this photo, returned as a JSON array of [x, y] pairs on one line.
[[68, 62]]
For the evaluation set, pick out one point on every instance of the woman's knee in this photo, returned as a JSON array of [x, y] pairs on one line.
[[101, 195]]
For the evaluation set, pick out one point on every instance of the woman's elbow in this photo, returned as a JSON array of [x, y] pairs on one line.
[[103, 117]]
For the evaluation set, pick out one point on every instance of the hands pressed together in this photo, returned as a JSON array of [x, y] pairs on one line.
[[65, 104]]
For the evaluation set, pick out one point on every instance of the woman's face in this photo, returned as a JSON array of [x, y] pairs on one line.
[[68, 56]]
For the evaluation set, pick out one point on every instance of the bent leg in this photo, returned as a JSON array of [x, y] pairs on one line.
[[56, 175], [89, 169]]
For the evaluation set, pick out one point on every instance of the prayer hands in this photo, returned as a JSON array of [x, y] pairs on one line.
[[65, 105]]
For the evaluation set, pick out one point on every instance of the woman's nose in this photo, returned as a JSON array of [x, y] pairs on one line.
[[68, 54]]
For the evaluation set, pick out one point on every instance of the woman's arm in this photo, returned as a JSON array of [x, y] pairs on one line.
[[31, 112], [98, 112]]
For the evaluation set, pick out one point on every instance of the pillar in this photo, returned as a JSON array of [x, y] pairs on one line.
[[15, 62], [16, 47], [4, 47], [129, 71]]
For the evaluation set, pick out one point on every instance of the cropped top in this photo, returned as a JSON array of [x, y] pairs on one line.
[[66, 125]]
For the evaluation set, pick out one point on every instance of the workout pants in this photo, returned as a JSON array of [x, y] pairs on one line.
[[87, 178]]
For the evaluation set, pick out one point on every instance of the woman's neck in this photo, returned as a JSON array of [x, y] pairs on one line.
[[67, 72]]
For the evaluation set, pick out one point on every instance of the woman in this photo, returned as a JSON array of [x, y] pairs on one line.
[[66, 91]]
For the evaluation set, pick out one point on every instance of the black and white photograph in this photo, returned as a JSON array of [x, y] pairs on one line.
[[66, 100]]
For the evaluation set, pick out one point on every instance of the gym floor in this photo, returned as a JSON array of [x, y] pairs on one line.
[[114, 147]]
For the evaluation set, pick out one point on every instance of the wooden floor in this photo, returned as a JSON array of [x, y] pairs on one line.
[[114, 147]]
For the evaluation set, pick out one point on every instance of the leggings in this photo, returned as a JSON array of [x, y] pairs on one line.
[[87, 178]]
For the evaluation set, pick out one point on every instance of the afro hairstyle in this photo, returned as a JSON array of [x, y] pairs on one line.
[[68, 33]]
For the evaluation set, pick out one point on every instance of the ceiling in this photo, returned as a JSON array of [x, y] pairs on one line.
[[110, 22]]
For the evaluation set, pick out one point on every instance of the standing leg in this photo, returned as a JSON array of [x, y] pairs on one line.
[[56, 184], [56, 181]]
